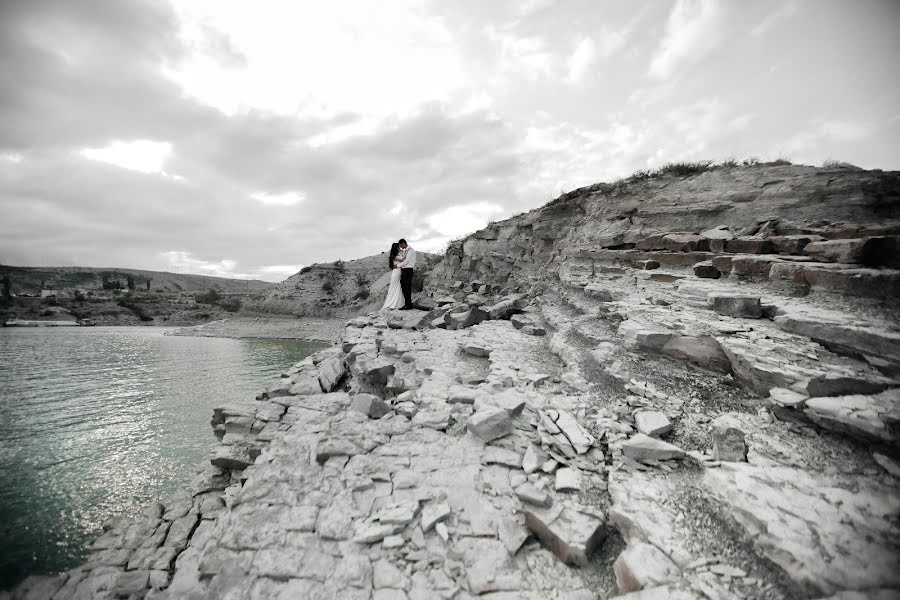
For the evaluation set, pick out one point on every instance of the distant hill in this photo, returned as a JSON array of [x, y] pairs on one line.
[[31, 280], [342, 288]]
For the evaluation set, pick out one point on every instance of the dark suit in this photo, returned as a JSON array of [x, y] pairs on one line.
[[406, 277]]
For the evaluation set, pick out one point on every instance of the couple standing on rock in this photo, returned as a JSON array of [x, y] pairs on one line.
[[402, 262]]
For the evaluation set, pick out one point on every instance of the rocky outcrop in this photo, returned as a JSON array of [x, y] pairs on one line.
[[580, 413]]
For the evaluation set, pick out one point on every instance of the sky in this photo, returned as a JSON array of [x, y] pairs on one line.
[[249, 139]]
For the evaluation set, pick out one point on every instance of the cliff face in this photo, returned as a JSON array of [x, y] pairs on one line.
[[769, 212], [338, 289]]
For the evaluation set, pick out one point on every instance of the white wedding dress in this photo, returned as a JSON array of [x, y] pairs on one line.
[[395, 293]]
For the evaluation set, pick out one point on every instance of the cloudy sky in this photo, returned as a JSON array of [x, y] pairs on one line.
[[248, 139]]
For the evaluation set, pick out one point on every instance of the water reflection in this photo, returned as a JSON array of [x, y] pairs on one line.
[[99, 422]]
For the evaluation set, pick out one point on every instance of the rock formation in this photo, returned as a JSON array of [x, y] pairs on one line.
[[588, 411], [336, 289]]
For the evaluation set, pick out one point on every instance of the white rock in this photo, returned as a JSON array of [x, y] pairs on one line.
[[530, 494], [640, 447], [643, 565], [652, 422], [489, 423], [433, 513], [787, 398], [570, 534], [533, 459], [568, 480]]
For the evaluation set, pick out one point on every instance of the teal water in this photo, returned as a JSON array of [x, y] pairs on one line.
[[98, 422]]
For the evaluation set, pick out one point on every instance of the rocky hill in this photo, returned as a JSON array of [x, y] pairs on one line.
[[30, 280], [679, 386], [338, 288], [117, 296]]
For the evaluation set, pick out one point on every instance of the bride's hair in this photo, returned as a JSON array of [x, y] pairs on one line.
[[395, 249]]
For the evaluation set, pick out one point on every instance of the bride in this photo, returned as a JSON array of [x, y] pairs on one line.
[[395, 293]]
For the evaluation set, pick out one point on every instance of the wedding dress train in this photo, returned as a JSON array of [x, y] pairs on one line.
[[395, 293]]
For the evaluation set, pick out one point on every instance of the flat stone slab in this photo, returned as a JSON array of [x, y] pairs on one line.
[[868, 416], [570, 534], [532, 495], [643, 565], [568, 480], [641, 447], [652, 422], [825, 535]]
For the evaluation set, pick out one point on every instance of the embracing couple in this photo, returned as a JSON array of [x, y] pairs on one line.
[[402, 261]]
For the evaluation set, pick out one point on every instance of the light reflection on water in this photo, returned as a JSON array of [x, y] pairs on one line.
[[99, 422]]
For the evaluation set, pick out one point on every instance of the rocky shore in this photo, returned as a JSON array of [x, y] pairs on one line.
[[674, 387]]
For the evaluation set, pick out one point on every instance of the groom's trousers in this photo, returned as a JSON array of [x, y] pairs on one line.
[[406, 277]]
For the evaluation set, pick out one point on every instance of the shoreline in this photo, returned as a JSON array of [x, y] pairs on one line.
[[317, 329]]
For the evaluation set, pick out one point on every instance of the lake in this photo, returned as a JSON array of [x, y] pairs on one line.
[[98, 422]]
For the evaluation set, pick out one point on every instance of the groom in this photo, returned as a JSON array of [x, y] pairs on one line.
[[406, 274]]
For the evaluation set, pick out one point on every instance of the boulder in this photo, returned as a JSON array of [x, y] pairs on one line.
[[370, 405], [722, 232], [728, 439], [511, 399], [476, 300], [570, 534], [533, 459], [531, 495], [840, 251], [684, 242], [475, 347], [652, 422], [868, 417], [749, 246], [643, 565], [787, 398], [433, 514], [279, 388], [520, 321], [235, 458], [468, 318], [706, 270], [736, 305], [331, 372], [489, 423], [641, 447], [704, 350], [378, 371], [598, 292], [647, 265], [568, 480], [792, 244], [437, 418], [506, 308], [560, 429], [494, 455]]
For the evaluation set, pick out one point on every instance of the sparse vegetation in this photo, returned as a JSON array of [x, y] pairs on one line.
[[837, 164], [682, 169], [211, 296], [135, 308]]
